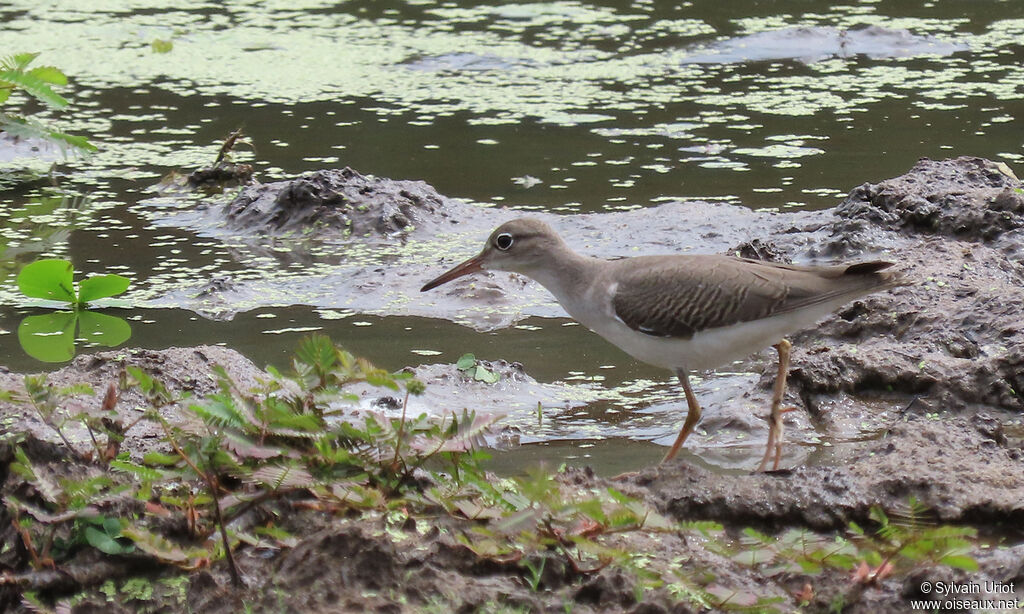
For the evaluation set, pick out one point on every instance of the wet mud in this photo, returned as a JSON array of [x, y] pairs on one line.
[[964, 470], [951, 341], [916, 390], [342, 200], [814, 44]]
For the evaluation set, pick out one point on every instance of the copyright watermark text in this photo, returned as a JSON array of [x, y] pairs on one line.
[[989, 595]]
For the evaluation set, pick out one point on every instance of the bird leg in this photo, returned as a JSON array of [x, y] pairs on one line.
[[775, 427], [692, 415]]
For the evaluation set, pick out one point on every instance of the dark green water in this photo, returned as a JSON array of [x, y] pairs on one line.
[[601, 103]]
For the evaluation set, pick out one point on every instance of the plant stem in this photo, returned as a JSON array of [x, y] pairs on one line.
[[65, 440], [95, 444], [236, 579], [401, 429], [211, 483]]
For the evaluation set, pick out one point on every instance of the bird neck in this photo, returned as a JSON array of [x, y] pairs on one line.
[[566, 274]]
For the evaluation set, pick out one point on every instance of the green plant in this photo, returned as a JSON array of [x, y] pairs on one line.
[[45, 400], [535, 573], [53, 279], [51, 337], [66, 513], [910, 541], [37, 82], [261, 446], [161, 45], [469, 365], [894, 548]]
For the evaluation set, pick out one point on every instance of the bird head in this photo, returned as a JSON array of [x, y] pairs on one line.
[[520, 246]]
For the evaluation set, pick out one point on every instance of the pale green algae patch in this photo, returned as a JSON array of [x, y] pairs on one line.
[[549, 59], [566, 64]]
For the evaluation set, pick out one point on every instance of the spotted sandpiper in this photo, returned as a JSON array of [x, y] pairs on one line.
[[681, 312]]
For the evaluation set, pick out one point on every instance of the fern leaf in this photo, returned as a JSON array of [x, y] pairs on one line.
[[156, 546], [220, 410], [467, 433], [244, 448], [33, 85], [960, 561], [147, 474], [49, 74], [17, 61], [74, 140], [705, 527], [317, 351], [23, 467], [279, 477], [73, 389]]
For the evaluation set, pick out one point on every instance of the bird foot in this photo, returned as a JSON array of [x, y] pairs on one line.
[[783, 410], [622, 477]]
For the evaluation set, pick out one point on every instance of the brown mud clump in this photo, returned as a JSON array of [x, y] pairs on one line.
[[342, 200], [964, 198], [954, 339]]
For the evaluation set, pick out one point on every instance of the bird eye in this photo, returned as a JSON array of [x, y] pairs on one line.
[[503, 241]]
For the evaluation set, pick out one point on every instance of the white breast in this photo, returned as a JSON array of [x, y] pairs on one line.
[[705, 350]]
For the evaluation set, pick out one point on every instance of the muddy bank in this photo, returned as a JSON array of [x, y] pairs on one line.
[[182, 371], [910, 393], [961, 469], [952, 340], [965, 471]]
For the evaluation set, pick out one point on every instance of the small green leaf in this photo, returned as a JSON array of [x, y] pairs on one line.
[[381, 378], [159, 458], [111, 525], [49, 279], [317, 351], [156, 545], [144, 473], [160, 45], [416, 387], [618, 496], [466, 362], [101, 286], [78, 142], [33, 85], [960, 561], [103, 542], [49, 337], [101, 329], [754, 556], [483, 375], [19, 61], [49, 74]]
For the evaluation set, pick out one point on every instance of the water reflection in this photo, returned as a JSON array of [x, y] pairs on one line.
[[52, 337], [40, 226]]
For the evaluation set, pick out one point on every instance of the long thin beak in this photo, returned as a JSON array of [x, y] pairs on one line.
[[470, 266]]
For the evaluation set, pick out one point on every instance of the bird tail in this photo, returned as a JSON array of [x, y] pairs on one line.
[[876, 269]]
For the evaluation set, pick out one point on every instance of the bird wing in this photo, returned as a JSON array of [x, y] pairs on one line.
[[678, 296]]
